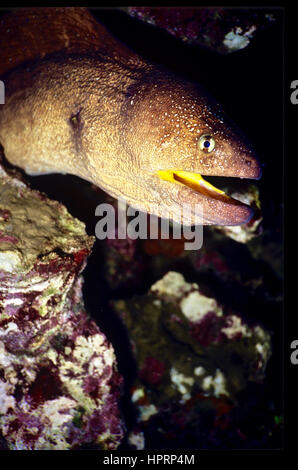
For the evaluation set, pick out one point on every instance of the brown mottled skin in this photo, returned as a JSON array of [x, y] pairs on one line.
[[78, 101]]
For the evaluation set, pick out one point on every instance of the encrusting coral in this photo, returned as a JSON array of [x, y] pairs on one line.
[[193, 359], [59, 385]]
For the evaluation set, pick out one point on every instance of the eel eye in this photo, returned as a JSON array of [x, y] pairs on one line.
[[206, 143]]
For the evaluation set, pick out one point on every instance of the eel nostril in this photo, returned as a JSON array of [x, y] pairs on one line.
[[75, 119]]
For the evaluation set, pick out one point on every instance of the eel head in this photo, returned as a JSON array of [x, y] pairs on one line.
[[176, 135]]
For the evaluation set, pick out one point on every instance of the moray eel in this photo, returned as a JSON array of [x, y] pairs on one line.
[[79, 101]]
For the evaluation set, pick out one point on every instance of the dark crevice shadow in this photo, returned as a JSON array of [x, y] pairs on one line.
[[97, 295]]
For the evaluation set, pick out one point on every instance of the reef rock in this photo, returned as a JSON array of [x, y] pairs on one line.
[[59, 386], [223, 30], [246, 232], [195, 363]]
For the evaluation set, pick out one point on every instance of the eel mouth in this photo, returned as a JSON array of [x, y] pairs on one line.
[[194, 181], [219, 208]]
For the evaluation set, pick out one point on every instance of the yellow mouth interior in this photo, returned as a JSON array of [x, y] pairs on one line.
[[194, 181]]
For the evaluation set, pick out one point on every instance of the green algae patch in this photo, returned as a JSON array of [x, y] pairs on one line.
[[78, 417]]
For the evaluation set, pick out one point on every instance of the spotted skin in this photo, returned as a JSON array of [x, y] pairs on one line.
[[80, 102]]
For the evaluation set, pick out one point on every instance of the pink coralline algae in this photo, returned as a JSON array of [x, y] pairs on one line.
[[7, 239], [59, 385], [125, 247], [207, 330], [152, 371], [211, 259], [124, 265], [4, 215]]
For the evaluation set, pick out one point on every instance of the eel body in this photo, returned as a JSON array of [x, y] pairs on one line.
[[79, 101]]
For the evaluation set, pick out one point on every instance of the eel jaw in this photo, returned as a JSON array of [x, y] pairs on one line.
[[218, 207]]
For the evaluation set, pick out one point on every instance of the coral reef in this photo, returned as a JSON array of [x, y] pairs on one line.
[[197, 333], [124, 263], [59, 386], [246, 232], [220, 29], [192, 356]]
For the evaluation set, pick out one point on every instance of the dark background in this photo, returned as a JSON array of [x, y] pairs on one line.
[[249, 85]]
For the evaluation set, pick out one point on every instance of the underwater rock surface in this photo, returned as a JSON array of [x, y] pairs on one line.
[[194, 360], [246, 232], [59, 385], [220, 29]]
